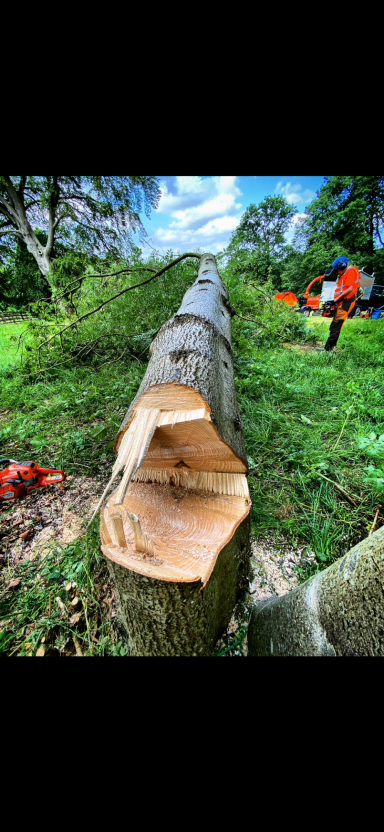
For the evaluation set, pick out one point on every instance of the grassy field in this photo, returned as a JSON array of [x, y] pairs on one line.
[[314, 420], [314, 424], [9, 337]]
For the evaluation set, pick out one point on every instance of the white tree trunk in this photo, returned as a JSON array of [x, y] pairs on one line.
[[34, 247], [17, 216], [176, 531]]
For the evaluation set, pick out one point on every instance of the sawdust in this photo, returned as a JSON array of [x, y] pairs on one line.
[[274, 572], [51, 516], [275, 568]]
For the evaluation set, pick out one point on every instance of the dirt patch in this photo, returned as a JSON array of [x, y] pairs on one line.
[[304, 348], [274, 570], [32, 525]]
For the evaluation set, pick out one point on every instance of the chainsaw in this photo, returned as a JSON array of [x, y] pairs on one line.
[[20, 478], [329, 309]]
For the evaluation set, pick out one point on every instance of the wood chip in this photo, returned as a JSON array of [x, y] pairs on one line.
[[61, 606], [78, 649], [74, 621], [40, 653], [26, 536]]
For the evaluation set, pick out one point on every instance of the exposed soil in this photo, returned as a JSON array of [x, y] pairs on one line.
[[274, 572], [53, 515]]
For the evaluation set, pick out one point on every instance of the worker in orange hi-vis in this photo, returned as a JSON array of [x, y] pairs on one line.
[[348, 285]]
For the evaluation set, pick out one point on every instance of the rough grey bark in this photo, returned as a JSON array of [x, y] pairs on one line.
[[195, 348], [182, 619], [339, 612], [167, 617]]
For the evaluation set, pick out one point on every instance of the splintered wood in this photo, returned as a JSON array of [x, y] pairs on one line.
[[183, 494], [132, 452]]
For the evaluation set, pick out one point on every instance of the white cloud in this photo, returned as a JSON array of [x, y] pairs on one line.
[[294, 194], [203, 211], [297, 219]]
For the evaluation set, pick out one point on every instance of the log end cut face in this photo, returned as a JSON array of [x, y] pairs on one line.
[[183, 494]]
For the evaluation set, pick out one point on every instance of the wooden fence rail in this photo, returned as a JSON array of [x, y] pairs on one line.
[[13, 318]]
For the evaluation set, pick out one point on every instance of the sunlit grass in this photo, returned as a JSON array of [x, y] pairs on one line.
[[9, 339]]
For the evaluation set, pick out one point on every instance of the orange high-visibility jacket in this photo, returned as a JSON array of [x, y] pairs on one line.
[[352, 278]]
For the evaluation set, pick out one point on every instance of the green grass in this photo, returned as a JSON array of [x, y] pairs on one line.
[[38, 611], [68, 421], [309, 418], [9, 339]]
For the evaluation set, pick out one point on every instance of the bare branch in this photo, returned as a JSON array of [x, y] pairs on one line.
[[9, 231], [122, 271], [126, 270]]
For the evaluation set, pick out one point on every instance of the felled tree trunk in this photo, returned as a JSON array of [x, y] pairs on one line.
[[339, 612], [176, 531]]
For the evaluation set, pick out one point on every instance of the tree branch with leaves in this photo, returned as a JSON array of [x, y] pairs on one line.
[[97, 214]]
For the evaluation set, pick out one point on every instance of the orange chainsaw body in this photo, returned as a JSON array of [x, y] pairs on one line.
[[20, 478]]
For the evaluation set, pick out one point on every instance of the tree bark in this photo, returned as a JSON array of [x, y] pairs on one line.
[[175, 533], [14, 211], [339, 612]]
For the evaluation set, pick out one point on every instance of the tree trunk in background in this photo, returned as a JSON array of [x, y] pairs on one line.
[[339, 612], [34, 247], [176, 531]]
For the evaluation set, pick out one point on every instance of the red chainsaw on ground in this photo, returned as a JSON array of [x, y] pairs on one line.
[[20, 478]]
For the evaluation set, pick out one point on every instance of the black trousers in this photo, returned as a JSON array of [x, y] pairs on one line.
[[337, 324]]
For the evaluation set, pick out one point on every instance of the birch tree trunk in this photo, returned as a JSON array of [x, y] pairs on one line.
[[15, 212], [34, 247], [175, 533], [339, 612]]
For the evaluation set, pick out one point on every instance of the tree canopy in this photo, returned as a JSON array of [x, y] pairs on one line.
[[258, 246], [265, 226], [346, 218], [94, 214]]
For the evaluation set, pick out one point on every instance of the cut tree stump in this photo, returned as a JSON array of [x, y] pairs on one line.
[[175, 532]]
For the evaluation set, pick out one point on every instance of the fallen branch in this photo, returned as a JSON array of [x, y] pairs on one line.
[[120, 294], [339, 488], [375, 523], [79, 652], [250, 320]]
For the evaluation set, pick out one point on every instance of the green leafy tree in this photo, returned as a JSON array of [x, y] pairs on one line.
[[264, 227], [257, 246], [21, 281], [346, 218], [93, 214]]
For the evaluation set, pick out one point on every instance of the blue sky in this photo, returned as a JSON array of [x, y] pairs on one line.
[[203, 211]]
